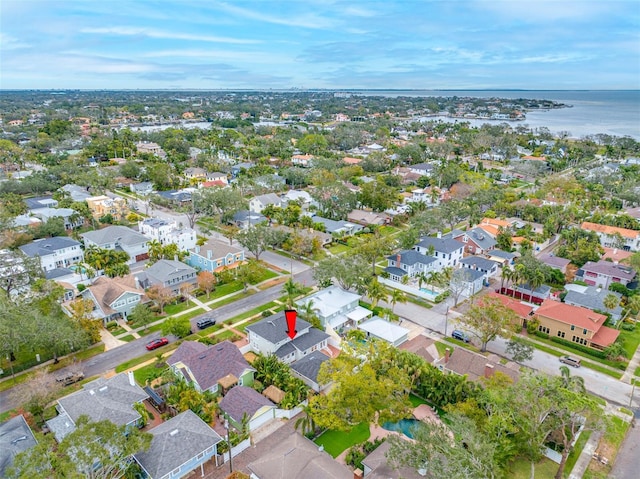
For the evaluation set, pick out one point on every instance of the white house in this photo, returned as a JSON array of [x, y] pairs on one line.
[[411, 263], [382, 329], [613, 237], [487, 267], [56, 252], [119, 237], [448, 252], [258, 203], [335, 307], [168, 232]]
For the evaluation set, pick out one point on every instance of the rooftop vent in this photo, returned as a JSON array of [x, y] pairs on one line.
[[173, 433], [103, 389], [202, 356]]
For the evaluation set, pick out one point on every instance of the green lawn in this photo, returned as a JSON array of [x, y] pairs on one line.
[[335, 442], [172, 309], [253, 312], [150, 371], [521, 469], [127, 338], [223, 290], [192, 314], [266, 274], [224, 301], [613, 436], [416, 401], [575, 453], [228, 334], [630, 341], [339, 248]]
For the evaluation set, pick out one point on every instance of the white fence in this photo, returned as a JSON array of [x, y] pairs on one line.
[[289, 413], [235, 450], [407, 288]]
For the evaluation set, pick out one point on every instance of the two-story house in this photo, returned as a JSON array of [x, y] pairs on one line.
[[168, 273], [576, 324], [613, 237], [259, 203], [487, 267], [477, 241], [603, 273], [103, 205], [215, 256], [448, 252], [409, 263], [168, 232], [104, 398], [592, 298], [113, 298], [423, 169], [269, 336], [55, 252], [214, 368], [335, 307], [120, 238]]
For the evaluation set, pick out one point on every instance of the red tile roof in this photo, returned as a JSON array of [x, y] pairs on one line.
[[605, 336], [521, 309], [610, 230], [568, 314]]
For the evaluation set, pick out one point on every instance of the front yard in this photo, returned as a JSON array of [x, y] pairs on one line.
[[336, 442]]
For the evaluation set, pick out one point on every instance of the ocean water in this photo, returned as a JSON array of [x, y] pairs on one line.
[[611, 112]]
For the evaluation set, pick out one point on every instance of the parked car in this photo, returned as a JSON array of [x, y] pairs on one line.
[[205, 322], [575, 362], [157, 343], [460, 335], [70, 378]]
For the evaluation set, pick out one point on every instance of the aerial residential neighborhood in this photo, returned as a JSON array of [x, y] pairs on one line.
[[445, 281]]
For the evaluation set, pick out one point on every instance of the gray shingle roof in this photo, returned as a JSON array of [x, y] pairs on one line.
[[481, 238], [241, 400], [167, 268], [441, 245], [610, 269], [47, 246], [395, 271], [15, 437], [111, 234], [302, 342], [503, 254], [479, 262], [592, 298], [175, 442], [274, 328], [212, 363], [411, 257], [110, 399], [309, 366]]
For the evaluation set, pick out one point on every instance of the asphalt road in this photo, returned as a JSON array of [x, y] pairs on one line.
[[108, 360]]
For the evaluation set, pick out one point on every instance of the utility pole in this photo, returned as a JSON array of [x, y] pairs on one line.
[[227, 426]]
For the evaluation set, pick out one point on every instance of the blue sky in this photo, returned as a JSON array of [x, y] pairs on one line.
[[262, 44]]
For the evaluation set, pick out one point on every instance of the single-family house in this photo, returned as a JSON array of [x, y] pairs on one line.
[[245, 219], [376, 466], [379, 328], [576, 324], [448, 252], [269, 336], [216, 177], [177, 197], [592, 298], [259, 203], [522, 310], [151, 148], [112, 298], [178, 447], [243, 402], [467, 281], [169, 273], [76, 192], [305, 161], [168, 232], [338, 227], [55, 252], [103, 205], [554, 261], [240, 167], [122, 238], [409, 263], [143, 188], [503, 258], [335, 307], [213, 368], [487, 267], [70, 217], [368, 218], [307, 369], [299, 196], [39, 203], [104, 398], [614, 237], [15, 437], [195, 174], [603, 273], [423, 169], [477, 241], [215, 256], [296, 457], [475, 366]]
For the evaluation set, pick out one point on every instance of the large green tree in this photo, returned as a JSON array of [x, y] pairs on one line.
[[489, 319]]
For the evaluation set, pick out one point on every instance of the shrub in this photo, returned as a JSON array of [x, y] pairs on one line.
[[357, 453], [628, 326], [579, 347], [81, 287], [111, 325], [267, 313]]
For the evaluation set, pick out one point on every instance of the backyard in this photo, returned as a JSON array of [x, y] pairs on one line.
[[335, 442]]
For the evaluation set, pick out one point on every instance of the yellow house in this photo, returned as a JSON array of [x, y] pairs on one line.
[[576, 324], [103, 205]]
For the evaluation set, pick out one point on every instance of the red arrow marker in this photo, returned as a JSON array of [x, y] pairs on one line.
[[291, 315]]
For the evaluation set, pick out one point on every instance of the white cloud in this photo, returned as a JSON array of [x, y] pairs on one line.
[[305, 21], [7, 42], [153, 33]]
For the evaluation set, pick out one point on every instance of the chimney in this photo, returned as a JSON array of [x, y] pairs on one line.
[[398, 260], [137, 282], [447, 353], [132, 381], [439, 235], [175, 257], [197, 249], [209, 254], [488, 370], [358, 474]]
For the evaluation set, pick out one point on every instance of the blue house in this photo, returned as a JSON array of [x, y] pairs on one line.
[[179, 446], [215, 256]]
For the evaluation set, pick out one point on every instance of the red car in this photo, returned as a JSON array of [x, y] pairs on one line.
[[156, 343]]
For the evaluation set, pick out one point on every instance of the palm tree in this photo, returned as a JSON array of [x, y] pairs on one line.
[[535, 279], [292, 289], [422, 278], [433, 278], [309, 314], [573, 383], [376, 291], [155, 250], [611, 302], [506, 275], [519, 274], [397, 296]]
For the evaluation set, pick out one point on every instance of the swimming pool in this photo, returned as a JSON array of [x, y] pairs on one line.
[[428, 292], [405, 426]]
